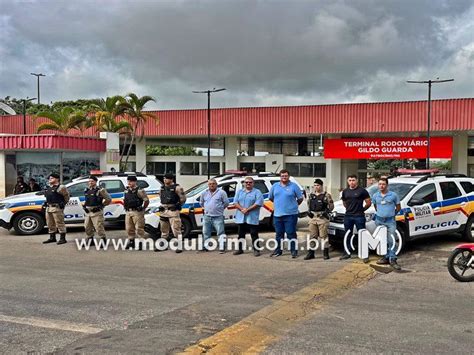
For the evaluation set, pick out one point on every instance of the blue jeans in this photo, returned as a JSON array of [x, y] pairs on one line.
[[216, 222], [391, 231], [286, 224], [349, 223]]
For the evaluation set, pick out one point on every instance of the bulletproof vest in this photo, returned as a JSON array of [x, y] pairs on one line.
[[168, 195], [53, 196], [131, 198], [317, 203], [93, 197]]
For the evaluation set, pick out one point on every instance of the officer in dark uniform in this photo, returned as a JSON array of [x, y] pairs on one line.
[[320, 203], [172, 197], [96, 199], [57, 196], [135, 202]]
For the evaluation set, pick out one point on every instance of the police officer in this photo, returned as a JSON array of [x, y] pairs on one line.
[[96, 199], [135, 202], [320, 203], [57, 196], [172, 197]]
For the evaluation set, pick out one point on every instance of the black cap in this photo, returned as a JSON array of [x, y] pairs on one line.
[[318, 181], [169, 176], [132, 178], [54, 175], [93, 177]]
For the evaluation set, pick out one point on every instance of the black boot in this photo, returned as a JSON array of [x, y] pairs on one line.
[[255, 247], [310, 255], [102, 243], [326, 254], [90, 240], [52, 238], [62, 239], [130, 244]]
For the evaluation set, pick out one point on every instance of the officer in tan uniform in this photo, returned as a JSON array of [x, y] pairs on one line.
[[320, 203], [57, 196], [172, 197], [96, 199], [135, 202]]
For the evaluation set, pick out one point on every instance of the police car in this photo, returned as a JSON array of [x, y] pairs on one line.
[[430, 205], [24, 213], [192, 212]]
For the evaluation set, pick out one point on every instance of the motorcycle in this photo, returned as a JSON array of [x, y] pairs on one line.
[[461, 263]]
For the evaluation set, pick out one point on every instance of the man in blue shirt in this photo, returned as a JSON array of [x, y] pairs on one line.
[[215, 202], [248, 202], [286, 197], [387, 205]]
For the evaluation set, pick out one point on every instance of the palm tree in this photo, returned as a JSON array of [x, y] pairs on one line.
[[134, 108], [62, 120]]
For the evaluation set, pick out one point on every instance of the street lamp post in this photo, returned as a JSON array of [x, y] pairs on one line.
[[429, 82], [24, 112], [38, 77], [208, 92]]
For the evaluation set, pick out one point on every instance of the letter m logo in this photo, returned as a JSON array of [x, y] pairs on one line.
[[377, 241]]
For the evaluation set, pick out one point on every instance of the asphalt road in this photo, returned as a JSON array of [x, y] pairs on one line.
[[58, 299]]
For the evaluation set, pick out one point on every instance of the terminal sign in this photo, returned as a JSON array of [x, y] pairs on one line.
[[388, 148]]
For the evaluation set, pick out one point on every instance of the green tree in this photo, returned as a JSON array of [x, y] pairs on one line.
[[134, 108], [63, 120], [160, 150]]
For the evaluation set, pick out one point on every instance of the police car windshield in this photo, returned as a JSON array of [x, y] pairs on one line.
[[196, 189], [400, 189]]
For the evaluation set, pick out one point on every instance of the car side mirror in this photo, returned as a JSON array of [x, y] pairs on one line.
[[416, 202], [198, 198]]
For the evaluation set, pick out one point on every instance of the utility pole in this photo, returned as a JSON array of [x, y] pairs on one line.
[[24, 112], [208, 92], [38, 77], [429, 82]]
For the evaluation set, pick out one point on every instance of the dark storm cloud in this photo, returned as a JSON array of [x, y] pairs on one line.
[[264, 52]]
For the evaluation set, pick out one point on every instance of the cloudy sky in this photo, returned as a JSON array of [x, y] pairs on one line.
[[265, 53]]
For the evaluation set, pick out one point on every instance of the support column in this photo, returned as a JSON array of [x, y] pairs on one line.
[[3, 173], [459, 160], [230, 153], [140, 155], [333, 177], [110, 159]]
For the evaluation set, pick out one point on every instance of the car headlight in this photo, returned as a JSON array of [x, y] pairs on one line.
[[3, 206], [369, 217]]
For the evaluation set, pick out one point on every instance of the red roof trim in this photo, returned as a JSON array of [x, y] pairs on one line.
[[51, 142]]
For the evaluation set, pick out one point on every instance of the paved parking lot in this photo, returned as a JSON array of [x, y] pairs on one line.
[[56, 298]]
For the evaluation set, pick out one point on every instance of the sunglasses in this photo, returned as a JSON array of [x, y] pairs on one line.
[[249, 182]]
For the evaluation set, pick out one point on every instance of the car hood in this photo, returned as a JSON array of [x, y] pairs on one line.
[[30, 196]]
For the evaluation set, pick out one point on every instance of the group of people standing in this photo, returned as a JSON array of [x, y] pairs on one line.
[[21, 187], [286, 196]]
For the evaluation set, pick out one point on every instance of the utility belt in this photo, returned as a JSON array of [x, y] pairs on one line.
[[93, 209], [171, 208], [319, 214], [59, 205], [137, 209], [385, 219]]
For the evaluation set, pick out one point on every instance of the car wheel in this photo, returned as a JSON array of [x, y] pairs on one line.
[[186, 227], [28, 223], [469, 230], [401, 229]]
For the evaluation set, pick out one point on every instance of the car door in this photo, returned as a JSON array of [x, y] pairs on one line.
[[453, 201], [424, 205], [230, 188], [116, 189], [265, 212], [73, 212]]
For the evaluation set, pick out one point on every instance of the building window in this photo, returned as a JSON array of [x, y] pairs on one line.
[[161, 168], [215, 169], [189, 168], [307, 169], [252, 167]]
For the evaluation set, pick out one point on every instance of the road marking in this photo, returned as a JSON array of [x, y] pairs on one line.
[[257, 331], [52, 324]]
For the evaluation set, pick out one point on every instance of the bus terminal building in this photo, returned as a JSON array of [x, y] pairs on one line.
[[320, 141]]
